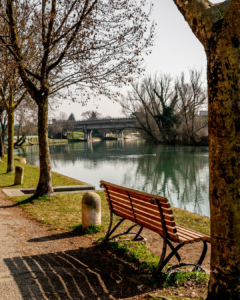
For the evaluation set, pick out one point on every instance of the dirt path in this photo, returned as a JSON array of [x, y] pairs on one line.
[[36, 265]]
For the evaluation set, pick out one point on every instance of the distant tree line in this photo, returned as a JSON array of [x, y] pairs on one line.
[[167, 109]]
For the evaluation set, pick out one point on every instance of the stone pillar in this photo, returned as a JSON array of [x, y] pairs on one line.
[[119, 134], [91, 210], [87, 134], [19, 172]]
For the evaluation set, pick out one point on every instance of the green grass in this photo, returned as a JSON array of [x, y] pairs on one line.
[[76, 135], [57, 141], [90, 230], [31, 176], [191, 220], [145, 261], [136, 253], [61, 212]]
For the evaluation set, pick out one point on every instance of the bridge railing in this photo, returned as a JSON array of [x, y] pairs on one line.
[[102, 120]]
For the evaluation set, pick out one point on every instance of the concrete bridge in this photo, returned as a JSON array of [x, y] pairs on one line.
[[114, 124]]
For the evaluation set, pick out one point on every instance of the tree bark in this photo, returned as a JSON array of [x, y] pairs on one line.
[[218, 28], [224, 161], [45, 180], [10, 159], [1, 147]]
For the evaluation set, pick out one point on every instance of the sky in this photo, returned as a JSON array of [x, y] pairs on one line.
[[175, 50]]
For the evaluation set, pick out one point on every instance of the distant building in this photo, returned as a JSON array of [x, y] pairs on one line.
[[203, 113]]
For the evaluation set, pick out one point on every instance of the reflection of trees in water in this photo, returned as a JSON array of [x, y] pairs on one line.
[[178, 173]]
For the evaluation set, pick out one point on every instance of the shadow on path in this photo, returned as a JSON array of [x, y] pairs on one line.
[[73, 274], [58, 236]]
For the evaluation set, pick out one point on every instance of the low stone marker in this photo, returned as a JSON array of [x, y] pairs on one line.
[[19, 172], [91, 210]]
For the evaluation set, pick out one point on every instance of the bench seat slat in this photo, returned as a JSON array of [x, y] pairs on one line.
[[191, 236], [203, 237], [155, 215]]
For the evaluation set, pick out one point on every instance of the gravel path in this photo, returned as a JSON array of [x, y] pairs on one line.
[[37, 265], [34, 265]]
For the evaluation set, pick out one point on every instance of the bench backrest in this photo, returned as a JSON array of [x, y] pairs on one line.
[[136, 206]]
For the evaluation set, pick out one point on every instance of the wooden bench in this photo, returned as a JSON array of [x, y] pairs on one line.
[[155, 213]]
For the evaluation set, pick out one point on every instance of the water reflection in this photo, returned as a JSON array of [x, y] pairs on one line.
[[178, 173]]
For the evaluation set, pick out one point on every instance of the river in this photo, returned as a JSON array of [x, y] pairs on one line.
[[180, 173]]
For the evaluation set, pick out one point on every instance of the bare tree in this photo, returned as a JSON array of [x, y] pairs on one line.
[[26, 114], [4, 124], [54, 129], [152, 101], [79, 44], [91, 114], [1, 139], [193, 98], [12, 92], [166, 109]]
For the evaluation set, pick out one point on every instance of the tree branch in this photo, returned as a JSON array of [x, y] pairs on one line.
[[15, 44], [201, 15], [83, 16]]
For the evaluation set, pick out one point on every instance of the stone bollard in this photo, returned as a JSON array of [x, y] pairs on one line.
[[91, 210], [19, 171]]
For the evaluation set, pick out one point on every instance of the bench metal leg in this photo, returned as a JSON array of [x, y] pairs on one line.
[[110, 232], [204, 252], [138, 234], [176, 254], [197, 267]]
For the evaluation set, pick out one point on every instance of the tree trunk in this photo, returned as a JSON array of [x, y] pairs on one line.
[[45, 180], [1, 147], [10, 159], [224, 163]]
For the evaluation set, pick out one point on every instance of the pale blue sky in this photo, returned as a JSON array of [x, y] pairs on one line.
[[176, 49]]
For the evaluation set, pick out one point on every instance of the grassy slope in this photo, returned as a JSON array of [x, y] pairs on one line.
[[31, 175], [63, 212]]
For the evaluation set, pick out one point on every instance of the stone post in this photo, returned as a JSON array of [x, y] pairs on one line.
[[19, 172], [91, 210]]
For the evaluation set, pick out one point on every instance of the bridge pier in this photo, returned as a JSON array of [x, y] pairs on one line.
[[119, 134], [87, 134]]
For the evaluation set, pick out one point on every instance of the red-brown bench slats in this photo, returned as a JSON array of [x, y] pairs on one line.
[[142, 215], [143, 222], [143, 209], [152, 209], [140, 210], [195, 233], [147, 214], [138, 197], [133, 192]]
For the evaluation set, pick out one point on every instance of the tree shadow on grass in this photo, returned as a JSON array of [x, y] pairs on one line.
[[59, 236], [26, 201], [73, 274]]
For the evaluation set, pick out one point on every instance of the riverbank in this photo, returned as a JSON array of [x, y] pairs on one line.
[[59, 219], [36, 264], [31, 176]]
